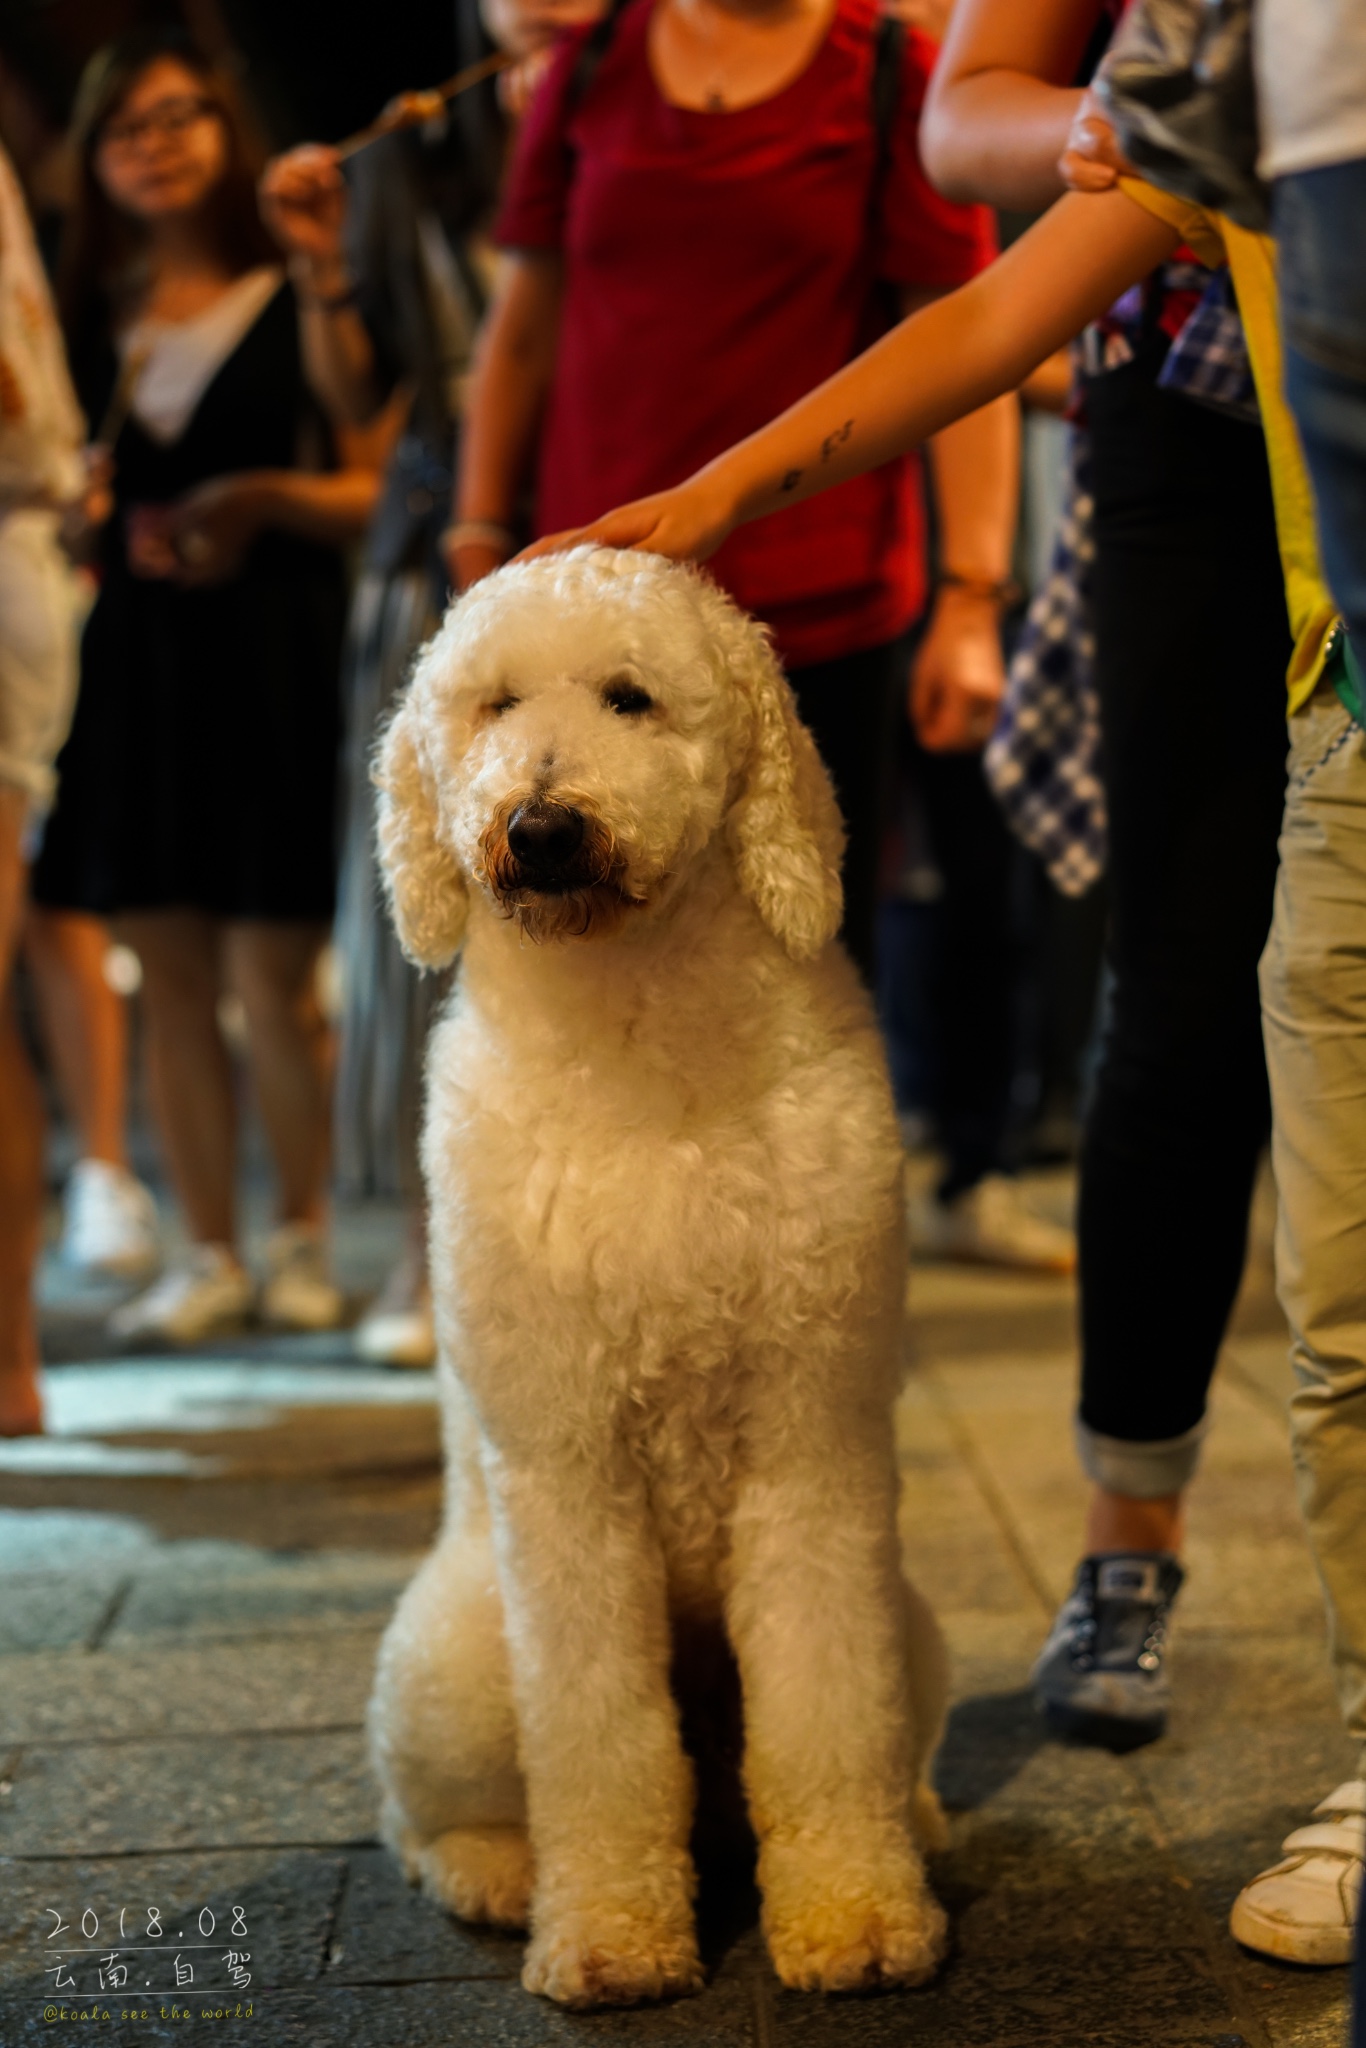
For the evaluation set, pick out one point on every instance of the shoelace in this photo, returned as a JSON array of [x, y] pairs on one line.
[[1086, 1628]]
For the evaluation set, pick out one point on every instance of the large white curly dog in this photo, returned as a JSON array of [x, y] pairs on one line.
[[666, 1244]]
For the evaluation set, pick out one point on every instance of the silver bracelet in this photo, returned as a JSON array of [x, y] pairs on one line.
[[480, 533]]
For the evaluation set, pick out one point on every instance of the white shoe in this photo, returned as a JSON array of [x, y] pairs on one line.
[[109, 1224], [397, 1327], [1304, 1910], [297, 1293], [990, 1225], [203, 1294]]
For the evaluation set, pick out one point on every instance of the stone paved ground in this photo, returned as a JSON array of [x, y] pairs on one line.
[[196, 1566]]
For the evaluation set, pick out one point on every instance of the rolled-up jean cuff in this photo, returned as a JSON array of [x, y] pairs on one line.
[[1141, 1471]]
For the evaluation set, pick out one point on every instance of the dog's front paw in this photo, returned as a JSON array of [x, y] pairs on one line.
[[611, 1958], [479, 1873], [832, 1925]]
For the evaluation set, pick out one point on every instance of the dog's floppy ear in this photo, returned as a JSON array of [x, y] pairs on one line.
[[785, 827], [428, 895]]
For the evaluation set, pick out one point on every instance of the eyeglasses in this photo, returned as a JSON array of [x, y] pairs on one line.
[[172, 118]]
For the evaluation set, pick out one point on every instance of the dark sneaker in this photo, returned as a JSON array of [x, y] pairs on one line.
[[1100, 1676]]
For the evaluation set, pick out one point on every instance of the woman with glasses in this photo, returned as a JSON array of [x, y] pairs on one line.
[[197, 789]]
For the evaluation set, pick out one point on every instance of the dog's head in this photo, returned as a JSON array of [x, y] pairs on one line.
[[577, 731]]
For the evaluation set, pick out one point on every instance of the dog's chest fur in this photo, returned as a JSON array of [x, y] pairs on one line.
[[623, 1234]]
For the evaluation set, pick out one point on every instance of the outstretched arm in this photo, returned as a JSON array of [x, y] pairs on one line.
[[948, 360]]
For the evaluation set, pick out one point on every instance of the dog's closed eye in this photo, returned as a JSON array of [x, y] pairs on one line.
[[628, 700], [502, 704]]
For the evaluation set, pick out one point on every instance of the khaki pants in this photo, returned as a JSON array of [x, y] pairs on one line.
[[1313, 978]]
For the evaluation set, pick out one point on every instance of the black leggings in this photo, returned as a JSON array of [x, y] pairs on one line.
[[969, 975], [850, 707], [1192, 645]]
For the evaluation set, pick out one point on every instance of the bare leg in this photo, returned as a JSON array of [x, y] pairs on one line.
[[188, 1068], [85, 1025], [273, 968], [1117, 1521], [21, 1155]]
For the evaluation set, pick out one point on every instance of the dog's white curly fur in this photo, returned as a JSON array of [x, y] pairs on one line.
[[666, 1241]]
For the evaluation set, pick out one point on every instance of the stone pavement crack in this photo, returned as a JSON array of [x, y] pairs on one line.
[[330, 1921], [293, 1733], [761, 2009], [1213, 1940], [113, 1608], [183, 1849]]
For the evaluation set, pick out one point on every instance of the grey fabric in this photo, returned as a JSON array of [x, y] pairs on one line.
[[1140, 1471], [387, 1006], [393, 185], [1177, 83]]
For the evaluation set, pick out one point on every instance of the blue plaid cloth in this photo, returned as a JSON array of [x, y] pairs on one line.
[[1043, 759], [1208, 359]]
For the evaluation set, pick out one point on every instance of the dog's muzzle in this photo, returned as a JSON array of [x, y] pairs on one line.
[[546, 840], [556, 868]]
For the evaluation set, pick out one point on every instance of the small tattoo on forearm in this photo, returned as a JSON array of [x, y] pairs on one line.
[[836, 440], [791, 480]]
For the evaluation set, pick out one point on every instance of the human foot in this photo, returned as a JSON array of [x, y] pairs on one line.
[[21, 1401], [204, 1294], [1101, 1677], [1304, 1909]]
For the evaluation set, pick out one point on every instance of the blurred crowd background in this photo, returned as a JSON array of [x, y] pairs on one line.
[[987, 978]]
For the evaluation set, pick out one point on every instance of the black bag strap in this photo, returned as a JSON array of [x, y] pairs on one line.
[[887, 55], [592, 51]]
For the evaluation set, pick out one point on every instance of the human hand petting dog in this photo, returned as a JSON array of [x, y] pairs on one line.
[[958, 678], [688, 524]]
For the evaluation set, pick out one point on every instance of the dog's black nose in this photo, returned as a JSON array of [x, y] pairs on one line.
[[544, 837]]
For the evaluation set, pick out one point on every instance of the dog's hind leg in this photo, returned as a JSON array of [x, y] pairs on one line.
[[929, 1700], [443, 1739]]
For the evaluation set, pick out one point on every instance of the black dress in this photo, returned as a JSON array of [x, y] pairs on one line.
[[201, 771]]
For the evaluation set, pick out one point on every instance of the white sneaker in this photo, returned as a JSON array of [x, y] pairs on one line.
[[990, 1225], [1304, 1910], [203, 1294], [397, 1327], [297, 1293], [109, 1223]]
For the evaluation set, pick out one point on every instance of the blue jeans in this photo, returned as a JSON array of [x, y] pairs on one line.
[[1319, 218]]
